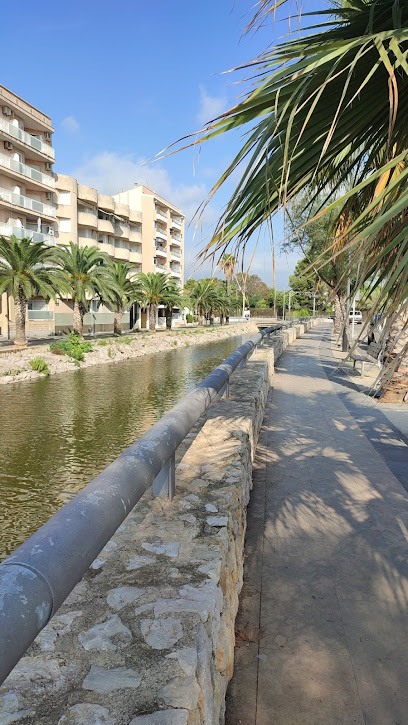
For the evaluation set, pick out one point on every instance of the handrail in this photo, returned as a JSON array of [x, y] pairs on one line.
[[37, 578]]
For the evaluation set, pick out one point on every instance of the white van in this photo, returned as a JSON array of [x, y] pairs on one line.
[[356, 317]]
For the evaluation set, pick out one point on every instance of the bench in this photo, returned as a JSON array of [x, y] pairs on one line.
[[372, 356]]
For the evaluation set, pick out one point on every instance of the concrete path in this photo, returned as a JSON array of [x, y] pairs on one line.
[[323, 622]]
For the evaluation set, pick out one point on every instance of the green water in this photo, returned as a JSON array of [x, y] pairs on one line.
[[58, 433]]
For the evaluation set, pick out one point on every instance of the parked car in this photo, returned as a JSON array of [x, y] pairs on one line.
[[357, 315]]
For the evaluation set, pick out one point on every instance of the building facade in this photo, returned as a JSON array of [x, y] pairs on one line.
[[136, 225], [27, 192]]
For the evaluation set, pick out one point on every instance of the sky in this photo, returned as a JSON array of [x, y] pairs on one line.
[[122, 82]]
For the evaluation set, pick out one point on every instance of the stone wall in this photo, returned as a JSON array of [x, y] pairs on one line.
[[147, 637]]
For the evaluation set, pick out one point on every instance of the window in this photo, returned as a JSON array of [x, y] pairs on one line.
[[65, 225], [38, 305], [65, 198]]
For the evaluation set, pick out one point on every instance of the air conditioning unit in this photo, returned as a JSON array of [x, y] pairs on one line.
[[49, 195], [51, 231], [8, 145], [48, 166], [6, 111], [47, 136]]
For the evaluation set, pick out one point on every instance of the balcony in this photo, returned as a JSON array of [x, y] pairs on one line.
[[7, 230], [18, 200], [87, 219], [175, 253], [135, 257], [176, 222], [105, 226], [161, 235], [160, 250], [122, 230], [135, 236], [8, 163], [26, 138], [160, 267], [176, 271], [161, 214], [122, 253]]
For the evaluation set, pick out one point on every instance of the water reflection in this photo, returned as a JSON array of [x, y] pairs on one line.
[[58, 433]]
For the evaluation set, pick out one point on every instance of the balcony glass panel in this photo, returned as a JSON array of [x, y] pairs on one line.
[[26, 203], [26, 170], [26, 138]]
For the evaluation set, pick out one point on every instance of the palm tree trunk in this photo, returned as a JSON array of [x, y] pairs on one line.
[[117, 320], [20, 307], [169, 317], [339, 314], [78, 318], [211, 316], [152, 317]]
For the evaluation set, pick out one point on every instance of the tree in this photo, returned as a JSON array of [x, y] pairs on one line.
[[124, 291], [27, 268], [255, 286], [151, 290], [227, 264], [87, 275], [172, 297], [325, 108], [207, 297]]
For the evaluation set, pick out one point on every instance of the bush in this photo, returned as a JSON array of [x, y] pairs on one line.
[[39, 364], [73, 346], [189, 318], [304, 312]]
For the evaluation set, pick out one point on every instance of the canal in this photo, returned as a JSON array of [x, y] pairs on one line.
[[58, 433]]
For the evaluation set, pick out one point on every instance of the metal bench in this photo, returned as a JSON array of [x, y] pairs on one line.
[[372, 356]]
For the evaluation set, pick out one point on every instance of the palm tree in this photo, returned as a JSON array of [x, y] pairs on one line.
[[87, 275], [327, 112], [207, 297], [172, 297], [124, 290], [26, 268], [151, 290], [227, 264]]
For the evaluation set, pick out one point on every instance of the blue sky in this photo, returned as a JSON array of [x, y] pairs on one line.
[[122, 81]]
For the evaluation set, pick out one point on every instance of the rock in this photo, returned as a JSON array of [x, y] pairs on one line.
[[180, 692], [61, 624], [97, 564], [217, 521], [161, 633], [137, 562], [171, 549], [87, 713], [211, 508], [121, 596], [98, 637], [162, 717], [11, 710], [187, 659], [99, 679]]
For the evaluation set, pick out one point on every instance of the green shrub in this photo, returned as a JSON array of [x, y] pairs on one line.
[[39, 364], [189, 318], [127, 340], [72, 346]]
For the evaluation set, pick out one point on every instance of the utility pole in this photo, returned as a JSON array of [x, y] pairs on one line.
[[290, 291], [314, 303], [284, 293]]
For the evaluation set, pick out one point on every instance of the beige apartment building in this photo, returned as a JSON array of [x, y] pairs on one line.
[[27, 193], [136, 225]]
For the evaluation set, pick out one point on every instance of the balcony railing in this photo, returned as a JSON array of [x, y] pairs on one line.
[[176, 222], [40, 314], [26, 138], [7, 230], [175, 252], [161, 214], [28, 171], [161, 267], [26, 203], [176, 236]]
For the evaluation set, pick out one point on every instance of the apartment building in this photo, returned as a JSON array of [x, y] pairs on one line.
[[136, 225], [27, 192]]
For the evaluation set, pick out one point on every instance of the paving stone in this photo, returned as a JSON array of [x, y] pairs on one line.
[[170, 549], [99, 637], [121, 596], [180, 692], [161, 633], [87, 713], [137, 562], [100, 679]]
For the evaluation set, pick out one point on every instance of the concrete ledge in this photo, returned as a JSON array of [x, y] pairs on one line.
[[147, 637]]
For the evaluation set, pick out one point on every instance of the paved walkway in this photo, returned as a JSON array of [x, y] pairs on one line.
[[323, 623]]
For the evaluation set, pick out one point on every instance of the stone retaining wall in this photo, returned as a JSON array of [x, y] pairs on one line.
[[147, 637]]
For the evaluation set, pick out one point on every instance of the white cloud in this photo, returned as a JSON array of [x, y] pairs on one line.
[[70, 124], [210, 106]]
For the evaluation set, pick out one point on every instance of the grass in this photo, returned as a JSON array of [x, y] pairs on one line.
[[39, 365], [73, 346]]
